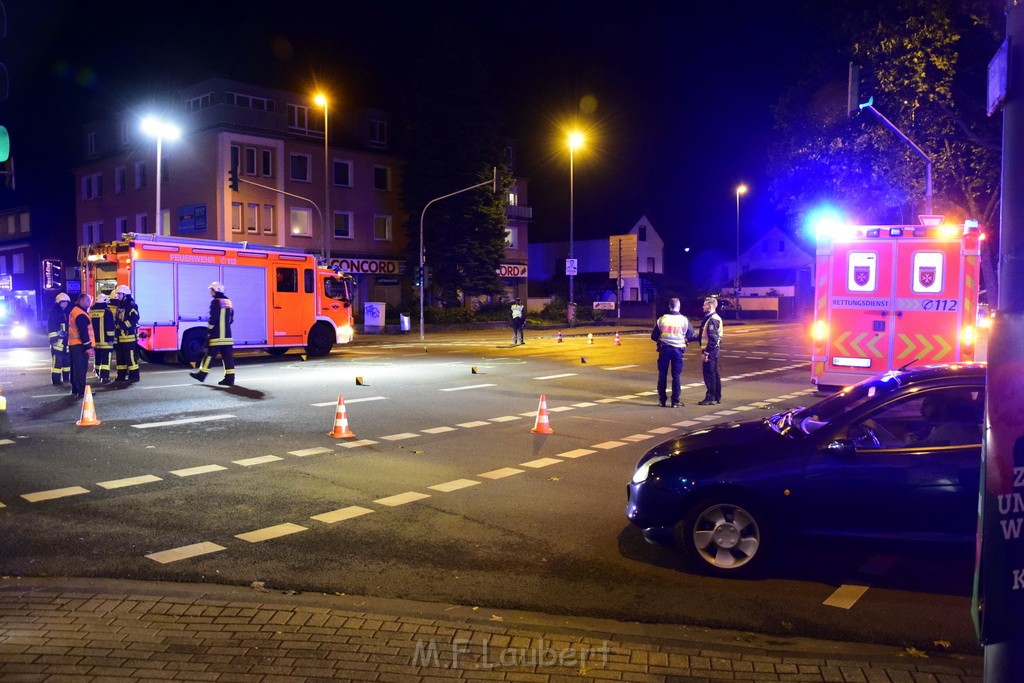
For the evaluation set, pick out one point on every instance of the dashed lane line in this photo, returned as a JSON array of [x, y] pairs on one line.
[[585, 404], [193, 471], [351, 400], [249, 462], [560, 409], [540, 462], [356, 444], [506, 418], [475, 423], [130, 481], [267, 533], [661, 430], [5, 442], [564, 374], [185, 552], [577, 453], [471, 386], [438, 430], [184, 420], [401, 498], [607, 445], [310, 451], [453, 485], [623, 367], [341, 514], [501, 473], [638, 437], [402, 436], [54, 493]]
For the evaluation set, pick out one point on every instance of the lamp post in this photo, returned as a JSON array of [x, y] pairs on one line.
[[321, 101], [159, 129], [575, 140], [741, 189]]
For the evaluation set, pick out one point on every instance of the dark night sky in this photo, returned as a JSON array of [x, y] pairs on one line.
[[683, 89]]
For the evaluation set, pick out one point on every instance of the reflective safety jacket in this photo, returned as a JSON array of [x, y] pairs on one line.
[[517, 311], [711, 332], [673, 329], [126, 320], [57, 327], [102, 326], [221, 316], [79, 327]]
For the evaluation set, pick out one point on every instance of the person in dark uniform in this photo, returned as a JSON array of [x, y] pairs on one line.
[[103, 336], [710, 343], [671, 332], [126, 324], [79, 343], [57, 328], [220, 342]]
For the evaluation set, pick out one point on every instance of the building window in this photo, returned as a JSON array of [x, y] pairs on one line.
[[378, 133], [300, 222], [250, 161], [92, 232], [511, 238], [300, 167], [298, 117], [650, 264], [249, 101], [236, 156], [92, 186], [268, 162], [642, 233], [343, 225], [11, 225], [24, 224], [120, 227], [3, 265], [267, 219], [124, 136], [142, 223], [513, 199], [236, 216], [120, 179], [342, 173], [382, 228], [90, 143], [252, 215], [164, 222], [140, 175], [201, 102], [381, 178], [18, 263]]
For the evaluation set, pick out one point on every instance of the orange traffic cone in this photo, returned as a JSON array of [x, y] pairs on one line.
[[541, 426], [88, 418], [617, 342], [559, 340], [341, 430]]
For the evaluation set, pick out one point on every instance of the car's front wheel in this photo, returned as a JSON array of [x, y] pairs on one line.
[[724, 537]]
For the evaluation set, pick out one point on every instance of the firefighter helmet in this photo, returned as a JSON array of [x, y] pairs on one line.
[[62, 297], [122, 291], [102, 298], [217, 287]]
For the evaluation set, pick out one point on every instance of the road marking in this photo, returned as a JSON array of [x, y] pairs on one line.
[[622, 367], [564, 374], [185, 552], [2, 505], [661, 430], [626, 397], [401, 498], [249, 462], [845, 596], [472, 386], [560, 409], [578, 453], [653, 393], [609, 444], [399, 437], [130, 481], [506, 418], [502, 473], [192, 471], [54, 493], [453, 485], [270, 532], [167, 386], [607, 400], [726, 412], [351, 400], [704, 418], [532, 413], [752, 357], [685, 423], [540, 462], [341, 514], [638, 437], [356, 444], [585, 404], [739, 408], [438, 430], [310, 451], [470, 425], [5, 442], [184, 420]]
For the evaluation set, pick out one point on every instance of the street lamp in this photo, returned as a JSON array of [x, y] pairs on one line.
[[575, 140], [321, 101], [159, 129], [741, 189]]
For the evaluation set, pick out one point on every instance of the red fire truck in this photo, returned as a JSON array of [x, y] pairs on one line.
[[281, 297], [886, 296]]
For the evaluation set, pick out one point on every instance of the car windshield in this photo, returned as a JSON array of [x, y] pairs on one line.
[[821, 413]]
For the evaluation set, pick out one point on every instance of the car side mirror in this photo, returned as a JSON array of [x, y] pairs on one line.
[[841, 448]]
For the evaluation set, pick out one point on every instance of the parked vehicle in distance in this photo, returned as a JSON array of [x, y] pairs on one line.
[[895, 457]]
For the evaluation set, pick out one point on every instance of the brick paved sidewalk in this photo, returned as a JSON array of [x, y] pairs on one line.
[[107, 630]]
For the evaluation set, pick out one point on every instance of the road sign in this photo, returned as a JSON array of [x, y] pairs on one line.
[[622, 256], [571, 266]]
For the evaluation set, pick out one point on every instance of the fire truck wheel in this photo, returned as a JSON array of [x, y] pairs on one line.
[[321, 340], [192, 344]]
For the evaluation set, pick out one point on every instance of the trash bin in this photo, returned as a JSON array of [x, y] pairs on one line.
[[373, 316], [404, 323]]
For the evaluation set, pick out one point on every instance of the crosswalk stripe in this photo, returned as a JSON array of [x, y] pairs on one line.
[[401, 498], [192, 471], [453, 485], [249, 462], [54, 493], [267, 533], [185, 552], [130, 481], [341, 514]]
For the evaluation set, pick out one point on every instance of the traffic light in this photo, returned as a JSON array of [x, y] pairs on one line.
[[417, 277], [233, 178]]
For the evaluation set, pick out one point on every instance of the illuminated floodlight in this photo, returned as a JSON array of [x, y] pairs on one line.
[[825, 223]]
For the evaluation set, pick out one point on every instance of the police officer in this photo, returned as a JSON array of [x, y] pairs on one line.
[[103, 336], [126, 327], [220, 342], [518, 322], [57, 327], [710, 342], [79, 343], [671, 332]]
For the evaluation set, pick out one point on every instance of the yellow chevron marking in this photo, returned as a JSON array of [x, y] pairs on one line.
[[855, 343], [837, 345], [871, 345], [910, 346], [926, 344], [945, 347]]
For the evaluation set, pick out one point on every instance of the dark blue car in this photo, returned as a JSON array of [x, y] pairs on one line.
[[895, 457]]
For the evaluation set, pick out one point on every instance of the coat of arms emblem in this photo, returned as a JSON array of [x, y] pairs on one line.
[[861, 275], [926, 275]]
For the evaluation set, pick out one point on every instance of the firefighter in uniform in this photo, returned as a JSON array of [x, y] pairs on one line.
[[126, 328], [671, 332], [79, 343], [103, 336], [710, 343], [220, 341], [57, 327]]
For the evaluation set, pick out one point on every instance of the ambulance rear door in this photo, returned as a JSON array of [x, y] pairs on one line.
[[929, 301]]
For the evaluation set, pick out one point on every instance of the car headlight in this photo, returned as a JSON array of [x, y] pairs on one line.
[[640, 476]]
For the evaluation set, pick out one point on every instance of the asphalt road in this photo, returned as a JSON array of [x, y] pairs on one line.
[[444, 494]]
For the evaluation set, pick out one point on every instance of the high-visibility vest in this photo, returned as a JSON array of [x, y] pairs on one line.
[[74, 335], [673, 329]]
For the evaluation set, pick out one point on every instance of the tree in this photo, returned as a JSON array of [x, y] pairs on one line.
[[454, 142], [924, 62]]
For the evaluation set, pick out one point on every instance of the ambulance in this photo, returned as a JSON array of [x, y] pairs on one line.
[[282, 298], [888, 296]]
